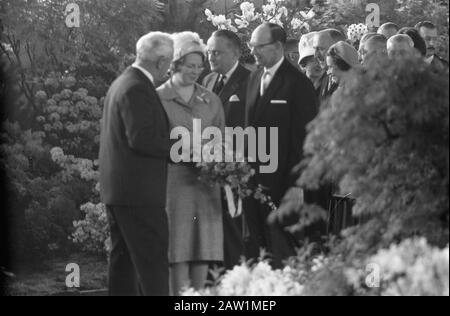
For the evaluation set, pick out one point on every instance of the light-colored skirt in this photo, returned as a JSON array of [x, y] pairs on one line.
[[195, 217]]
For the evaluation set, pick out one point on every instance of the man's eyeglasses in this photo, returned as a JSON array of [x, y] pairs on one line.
[[258, 47], [214, 53]]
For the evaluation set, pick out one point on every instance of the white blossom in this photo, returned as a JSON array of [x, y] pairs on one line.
[[296, 23], [308, 16], [241, 24], [248, 12]]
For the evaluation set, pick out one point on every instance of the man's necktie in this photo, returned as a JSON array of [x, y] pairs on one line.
[[265, 81], [220, 84]]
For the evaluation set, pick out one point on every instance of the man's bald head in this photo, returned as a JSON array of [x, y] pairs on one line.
[[400, 44], [388, 29], [267, 44]]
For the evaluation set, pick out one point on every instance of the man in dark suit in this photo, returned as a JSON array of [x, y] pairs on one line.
[[229, 81], [228, 78], [134, 153], [280, 96], [429, 33]]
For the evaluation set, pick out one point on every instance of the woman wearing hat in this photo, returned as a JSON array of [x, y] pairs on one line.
[[342, 61], [194, 208], [309, 65]]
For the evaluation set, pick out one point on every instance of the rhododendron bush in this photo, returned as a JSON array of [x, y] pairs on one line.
[[411, 268], [45, 192]]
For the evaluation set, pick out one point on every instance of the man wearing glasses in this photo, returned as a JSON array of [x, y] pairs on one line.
[[278, 95]]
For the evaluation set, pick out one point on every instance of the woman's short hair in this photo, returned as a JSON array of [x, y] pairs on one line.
[[175, 67], [340, 63]]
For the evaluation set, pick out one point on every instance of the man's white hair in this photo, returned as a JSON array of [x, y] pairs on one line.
[[153, 46]]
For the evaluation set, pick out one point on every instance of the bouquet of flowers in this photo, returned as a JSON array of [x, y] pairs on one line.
[[235, 177]]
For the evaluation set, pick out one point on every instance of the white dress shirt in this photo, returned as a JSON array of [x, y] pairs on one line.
[[268, 75]]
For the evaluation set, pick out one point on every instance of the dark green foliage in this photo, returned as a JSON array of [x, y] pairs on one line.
[[384, 138], [37, 40], [50, 68]]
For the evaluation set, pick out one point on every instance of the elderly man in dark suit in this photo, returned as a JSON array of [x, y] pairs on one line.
[[280, 96], [228, 78], [134, 153], [322, 41], [229, 81]]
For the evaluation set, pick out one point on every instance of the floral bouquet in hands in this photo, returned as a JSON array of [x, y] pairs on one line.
[[234, 176]]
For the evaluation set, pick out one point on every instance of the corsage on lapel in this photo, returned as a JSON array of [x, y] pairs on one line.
[[203, 98]]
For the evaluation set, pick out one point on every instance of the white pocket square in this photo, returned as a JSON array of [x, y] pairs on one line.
[[234, 98], [278, 102]]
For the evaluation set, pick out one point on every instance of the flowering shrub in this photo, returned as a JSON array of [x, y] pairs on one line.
[[69, 116], [45, 199], [92, 233], [247, 17], [385, 140], [83, 168], [257, 280], [274, 11], [412, 268], [41, 206]]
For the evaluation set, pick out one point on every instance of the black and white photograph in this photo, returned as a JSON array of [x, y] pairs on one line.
[[208, 149]]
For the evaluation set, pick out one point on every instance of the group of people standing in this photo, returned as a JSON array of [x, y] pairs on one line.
[[167, 227]]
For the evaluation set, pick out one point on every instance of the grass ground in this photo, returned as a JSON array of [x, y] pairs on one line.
[[51, 279]]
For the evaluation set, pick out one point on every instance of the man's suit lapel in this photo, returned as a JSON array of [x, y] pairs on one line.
[[324, 85], [252, 96], [275, 85], [231, 88], [211, 82], [139, 74]]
